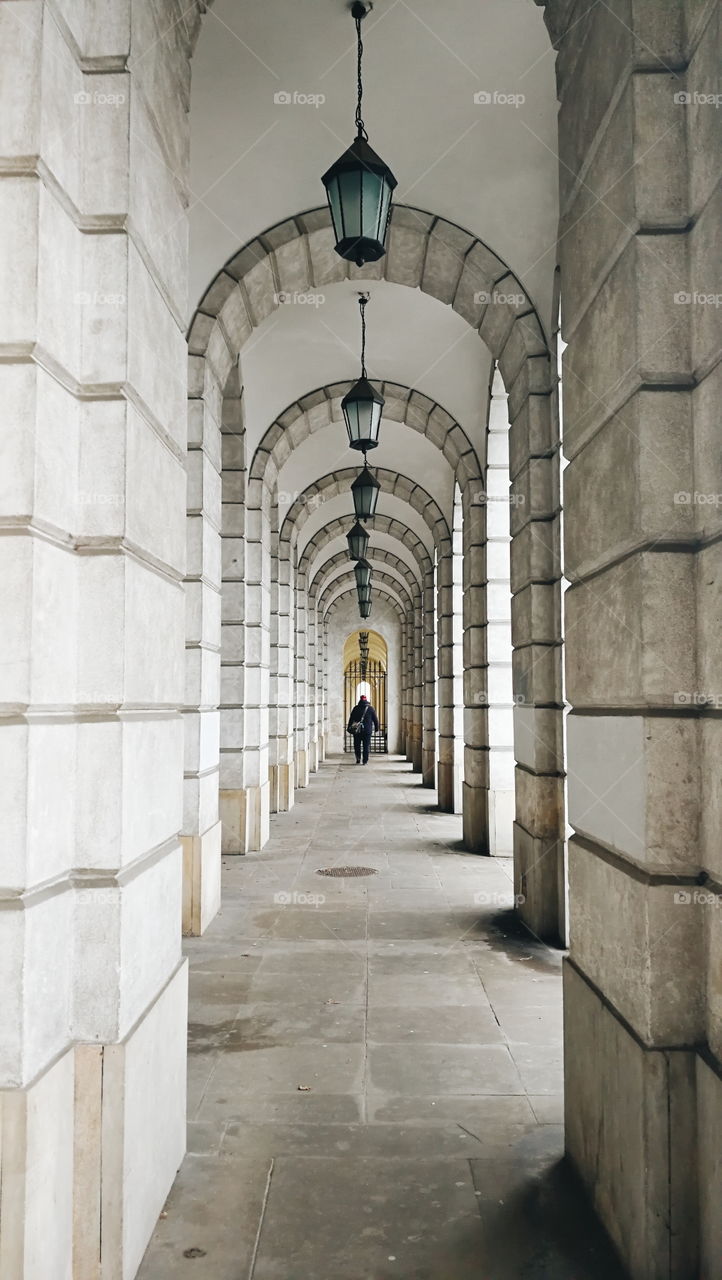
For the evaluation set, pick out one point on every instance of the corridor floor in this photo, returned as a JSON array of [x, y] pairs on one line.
[[375, 1063]]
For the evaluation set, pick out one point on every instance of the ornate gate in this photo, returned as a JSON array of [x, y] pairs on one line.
[[366, 672]]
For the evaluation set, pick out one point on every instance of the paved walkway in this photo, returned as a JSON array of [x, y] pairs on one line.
[[375, 1063]]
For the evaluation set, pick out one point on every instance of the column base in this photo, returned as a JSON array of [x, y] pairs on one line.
[[313, 757], [475, 810], [428, 768], [245, 818], [90, 1150], [446, 787], [631, 1136], [285, 783], [201, 880], [501, 823], [273, 788], [537, 877], [302, 774]]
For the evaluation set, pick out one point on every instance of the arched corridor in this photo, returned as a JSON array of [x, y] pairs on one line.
[[440, 423], [375, 1064]]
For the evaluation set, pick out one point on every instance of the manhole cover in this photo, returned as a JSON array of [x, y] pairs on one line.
[[346, 871]]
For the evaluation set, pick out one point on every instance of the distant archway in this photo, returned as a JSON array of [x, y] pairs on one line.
[[365, 668]]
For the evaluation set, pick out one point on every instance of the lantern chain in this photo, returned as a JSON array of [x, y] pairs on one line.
[[359, 12]]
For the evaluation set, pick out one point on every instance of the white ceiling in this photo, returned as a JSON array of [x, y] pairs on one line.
[[490, 168]]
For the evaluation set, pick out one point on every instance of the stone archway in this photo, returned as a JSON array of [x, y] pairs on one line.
[[455, 267]]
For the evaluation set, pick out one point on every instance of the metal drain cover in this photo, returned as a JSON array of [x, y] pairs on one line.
[[347, 871]]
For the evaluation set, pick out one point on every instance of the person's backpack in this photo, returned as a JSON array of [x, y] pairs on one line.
[[357, 725]]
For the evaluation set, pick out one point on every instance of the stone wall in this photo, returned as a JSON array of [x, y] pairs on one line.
[[93, 138], [640, 272]]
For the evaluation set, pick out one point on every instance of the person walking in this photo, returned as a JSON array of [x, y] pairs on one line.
[[363, 721]]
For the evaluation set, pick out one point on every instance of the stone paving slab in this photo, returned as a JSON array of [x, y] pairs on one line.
[[374, 1078]]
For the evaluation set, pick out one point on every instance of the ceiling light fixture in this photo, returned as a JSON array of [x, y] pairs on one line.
[[362, 405], [359, 184]]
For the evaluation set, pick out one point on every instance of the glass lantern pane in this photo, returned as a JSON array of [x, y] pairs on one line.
[[350, 199], [384, 205], [373, 187]]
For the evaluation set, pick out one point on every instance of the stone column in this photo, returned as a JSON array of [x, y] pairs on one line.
[[642, 381], [498, 595], [429, 652], [418, 705], [284, 665], [215, 426], [301, 679], [311, 691], [410, 687], [92, 498], [233, 648], [475, 790], [448, 767]]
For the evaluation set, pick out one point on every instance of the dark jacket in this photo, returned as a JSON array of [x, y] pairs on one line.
[[371, 720]]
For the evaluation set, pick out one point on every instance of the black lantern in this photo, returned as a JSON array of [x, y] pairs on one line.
[[365, 490], [364, 608], [358, 542], [363, 404], [364, 593], [359, 185], [362, 570]]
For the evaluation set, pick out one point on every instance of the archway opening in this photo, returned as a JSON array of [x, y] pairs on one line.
[[365, 667]]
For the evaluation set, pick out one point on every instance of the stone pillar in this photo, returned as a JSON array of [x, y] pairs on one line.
[[642, 386], [311, 691], [448, 767], [92, 499], [325, 686], [215, 427], [498, 598], [410, 688], [301, 680], [429, 726], [475, 695], [283, 662], [418, 705]]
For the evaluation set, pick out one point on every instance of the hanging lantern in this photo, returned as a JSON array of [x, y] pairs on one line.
[[365, 608], [362, 570], [359, 184], [364, 593], [365, 490], [358, 542], [363, 404]]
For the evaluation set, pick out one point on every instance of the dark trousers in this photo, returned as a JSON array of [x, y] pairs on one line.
[[361, 743]]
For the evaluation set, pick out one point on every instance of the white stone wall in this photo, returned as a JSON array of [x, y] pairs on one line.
[[92, 500]]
